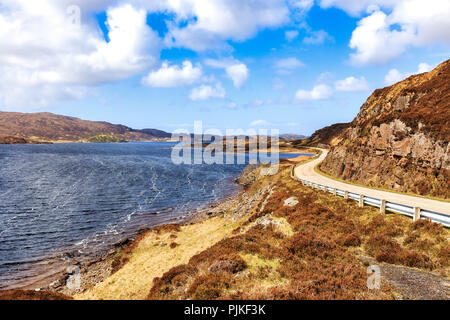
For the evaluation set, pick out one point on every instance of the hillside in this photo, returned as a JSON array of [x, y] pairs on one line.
[[156, 133], [47, 127], [325, 137], [400, 138]]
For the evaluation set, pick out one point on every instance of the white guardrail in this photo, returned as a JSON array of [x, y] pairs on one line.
[[413, 212]]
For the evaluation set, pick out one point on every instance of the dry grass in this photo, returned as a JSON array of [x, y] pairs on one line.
[[152, 257]]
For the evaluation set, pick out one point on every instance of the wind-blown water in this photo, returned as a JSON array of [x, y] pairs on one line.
[[73, 201]]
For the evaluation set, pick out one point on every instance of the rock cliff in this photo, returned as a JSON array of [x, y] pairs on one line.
[[400, 138]]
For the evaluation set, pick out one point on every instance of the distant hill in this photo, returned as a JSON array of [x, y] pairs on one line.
[[48, 127], [156, 133], [400, 138], [325, 137], [292, 136]]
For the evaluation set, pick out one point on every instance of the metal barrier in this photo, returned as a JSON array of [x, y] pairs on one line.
[[414, 212]]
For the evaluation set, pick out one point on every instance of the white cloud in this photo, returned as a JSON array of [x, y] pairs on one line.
[[424, 67], [259, 123], [381, 37], [287, 65], [376, 43], [205, 92], [291, 35], [319, 92], [238, 73], [45, 57], [301, 7], [235, 70], [221, 63], [356, 7], [352, 84], [317, 37], [210, 23], [394, 76], [173, 76]]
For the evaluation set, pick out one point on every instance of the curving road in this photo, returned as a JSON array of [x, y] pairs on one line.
[[307, 172]]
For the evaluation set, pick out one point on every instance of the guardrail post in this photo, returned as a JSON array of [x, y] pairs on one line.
[[383, 207], [346, 195], [416, 214], [334, 191], [361, 201]]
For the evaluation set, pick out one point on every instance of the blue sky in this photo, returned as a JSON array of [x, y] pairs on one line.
[[296, 66]]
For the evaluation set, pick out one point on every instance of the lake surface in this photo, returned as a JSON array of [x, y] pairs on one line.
[[66, 202]]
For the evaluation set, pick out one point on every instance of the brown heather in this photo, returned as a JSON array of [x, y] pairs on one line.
[[319, 259]]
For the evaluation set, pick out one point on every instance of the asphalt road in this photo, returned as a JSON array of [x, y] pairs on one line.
[[307, 172]]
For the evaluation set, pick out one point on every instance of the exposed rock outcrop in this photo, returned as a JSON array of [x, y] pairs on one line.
[[400, 138]]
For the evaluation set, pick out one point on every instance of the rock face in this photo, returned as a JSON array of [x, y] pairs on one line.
[[400, 138]]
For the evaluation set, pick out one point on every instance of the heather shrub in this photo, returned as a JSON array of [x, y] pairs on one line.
[[209, 286], [165, 287], [351, 240], [311, 244], [232, 263], [425, 225]]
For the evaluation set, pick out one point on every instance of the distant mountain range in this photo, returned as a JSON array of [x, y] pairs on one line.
[[44, 127], [48, 127], [291, 136]]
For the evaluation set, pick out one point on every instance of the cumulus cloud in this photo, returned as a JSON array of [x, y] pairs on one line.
[[319, 92], [238, 73], [381, 37], [204, 25], [287, 65], [45, 57], [205, 92], [376, 43], [424, 67], [394, 76], [173, 76], [352, 84]]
